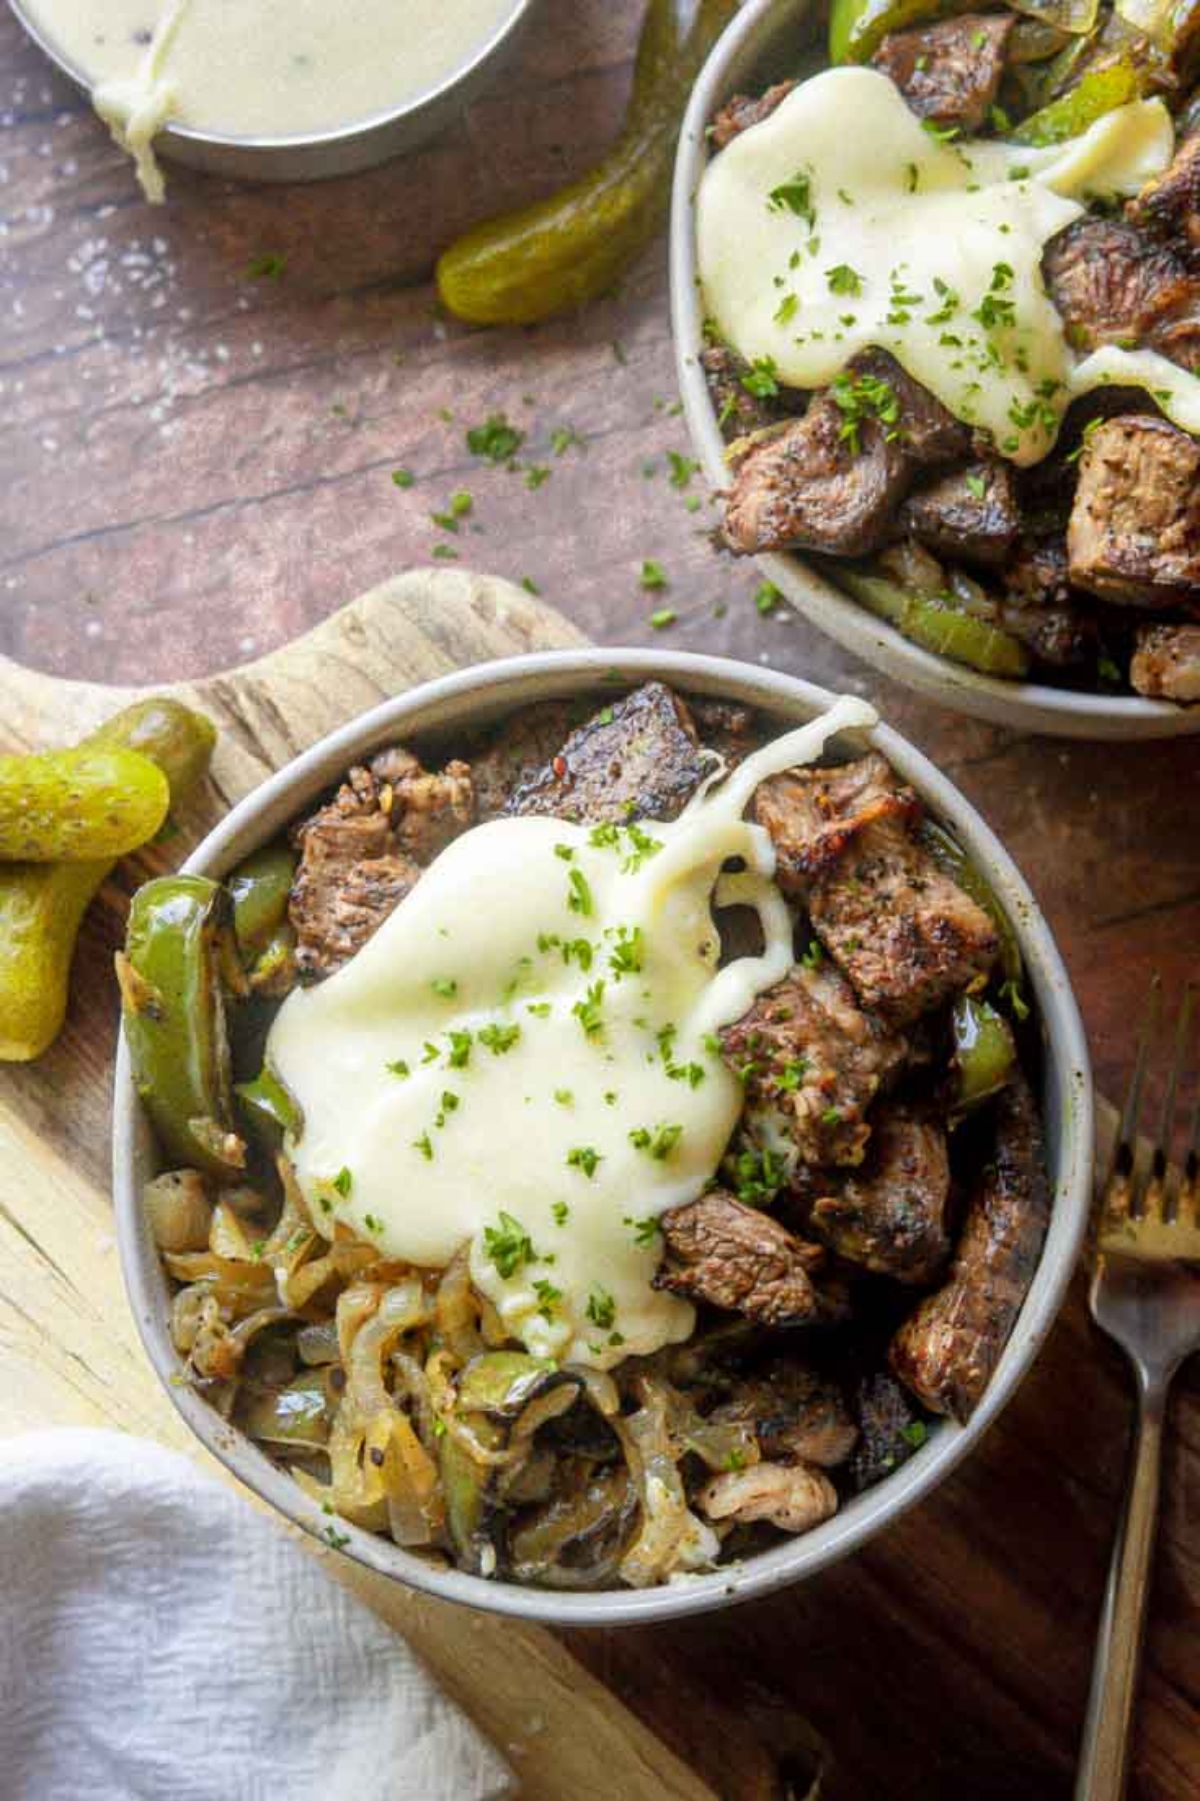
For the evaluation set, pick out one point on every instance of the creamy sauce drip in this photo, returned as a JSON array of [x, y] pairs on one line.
[[420, 1139], [259, 68], [840, 223]]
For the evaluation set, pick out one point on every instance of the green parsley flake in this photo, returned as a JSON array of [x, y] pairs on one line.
[[268, 267], [496, 441], [682, 468], [560, 1213], [584, 1157], [625, 957], [660, 620], [601, 1307], [645, 1231], [767, 597], [794, 196], [343, 1181], [497, 1038], [658, 1143], [579, 900], [842, 279], [760, 378], [403, 478], [398, 1068], [587, 1011], [508, 1245], [653, 575], [445, 987], [548, 1297]]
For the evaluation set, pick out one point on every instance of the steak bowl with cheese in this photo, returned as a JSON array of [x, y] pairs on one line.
[[599, 1135], [936, 292]]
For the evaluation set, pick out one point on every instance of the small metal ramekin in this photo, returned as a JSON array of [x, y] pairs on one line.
[[316, 155]]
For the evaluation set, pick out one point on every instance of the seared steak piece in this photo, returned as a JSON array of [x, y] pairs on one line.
[[362, 853], [1134, 534], [732, 1256], [969, 514], [1166, 663], [889, 1429], [744, 110], [730, 730], [1169, 205], [638, 758], [739, 412], [1036, 574], [950, 72], [789, 1496], [813, 814], [831, 481], [809, 487], [796, 1415], [890, 1216], [1060, 636], [947, 1350], [905, 934], [516, 751], [811, 1062], [1115, 285]]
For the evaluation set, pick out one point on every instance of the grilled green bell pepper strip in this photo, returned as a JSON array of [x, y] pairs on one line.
[[857, 27], [76, 806], [953, 861], [270, 1108], [567, 250], [946, 630], [494, 1391], [1098, 91], [179, 954], [260, 888], [985, 1054], [42, 904]]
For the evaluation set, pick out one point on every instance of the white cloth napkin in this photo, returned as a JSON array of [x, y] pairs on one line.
[[161, 1642]]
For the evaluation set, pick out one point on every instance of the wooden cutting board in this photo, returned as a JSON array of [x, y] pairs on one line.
[[69, 1352]]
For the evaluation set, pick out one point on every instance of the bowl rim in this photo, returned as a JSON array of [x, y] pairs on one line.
[[1037, 706], [333, 138], [474, 696]]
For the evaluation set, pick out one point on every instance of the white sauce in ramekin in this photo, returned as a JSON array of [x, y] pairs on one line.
[[259, 68]]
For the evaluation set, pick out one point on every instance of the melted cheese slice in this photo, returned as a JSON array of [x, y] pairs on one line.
[[474, 1072], [840, 223]]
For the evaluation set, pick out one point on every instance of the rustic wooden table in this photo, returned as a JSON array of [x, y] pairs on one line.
[[196, 463]]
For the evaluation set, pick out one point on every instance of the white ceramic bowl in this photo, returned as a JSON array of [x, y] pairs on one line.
[[766, 41], [338, 150], [453, 706]]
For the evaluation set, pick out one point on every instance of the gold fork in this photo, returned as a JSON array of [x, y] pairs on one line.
[[1145, 1294]]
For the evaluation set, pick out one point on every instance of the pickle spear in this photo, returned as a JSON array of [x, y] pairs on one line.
[[42, 904], [562, 252], [73, 806]]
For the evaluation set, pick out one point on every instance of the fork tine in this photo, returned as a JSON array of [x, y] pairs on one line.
[[1160, 1167], [1119, 1190]]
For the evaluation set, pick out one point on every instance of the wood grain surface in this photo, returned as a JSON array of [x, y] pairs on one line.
[[195, 466]]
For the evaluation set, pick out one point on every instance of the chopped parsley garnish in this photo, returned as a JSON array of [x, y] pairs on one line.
[[976, 484], [787, 309], [508, 1245], [617, 837], [588, 1010], [941, 134], [682, 468], [995, 313], [496, 441], [498, 1038], [813, 954], [658, 1143], [842, 279], [792, 1074], [268, 267], [653, 576], [560, 1213], [645, 1231], [371, 1223], [759, 1176], [444, 986], [403, 478], [949, 300], [915, 1433], [832, 1116], [794, 196], [1010, 991], [664, 617], [450, 1102], [564, 1097], [625, 957], [529, 585], [760, 378], [459, 1054], [536, 474], [343, 1181], [579, 900], [860, 397], [539, 1009], [584, 1157], [767, 597], [601, 1307], [912, 176], [398, 1068], [424, 1144], [563, 437], [548, 1297]]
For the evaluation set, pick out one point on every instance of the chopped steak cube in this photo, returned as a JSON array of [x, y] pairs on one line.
[[811, 1062], [796, 1415], [946, 1351], [362, 853], [949, 72], [1116, 285], [1170, 204], [515, 752], [638, 758], [890, 1428], [732, 1256], [739, 412], [1134, 534], [1166, 663], [890, 1216], [744, 110], [732, 731], [812, 814], [970, 514]]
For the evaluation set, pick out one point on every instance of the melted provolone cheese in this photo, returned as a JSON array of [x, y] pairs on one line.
[[521, 1059], [259, 68], [840, 223]]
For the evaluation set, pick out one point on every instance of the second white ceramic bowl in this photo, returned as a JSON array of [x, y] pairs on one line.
[[768, 39], [450, 709]]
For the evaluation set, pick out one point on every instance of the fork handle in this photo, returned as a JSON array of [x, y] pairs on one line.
[[1104, 1756]]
